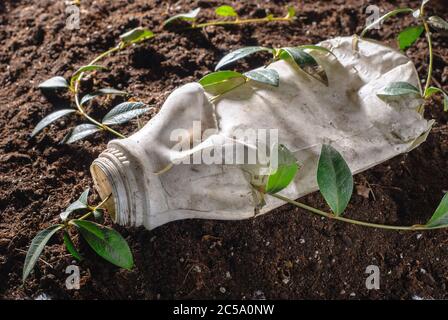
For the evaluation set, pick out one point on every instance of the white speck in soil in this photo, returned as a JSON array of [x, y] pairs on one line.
[[301, 241], [259, 295], [222, 290], [197, 269], [419, 236], [228, 276]]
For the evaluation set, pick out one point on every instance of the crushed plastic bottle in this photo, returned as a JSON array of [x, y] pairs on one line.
[[301, 113]]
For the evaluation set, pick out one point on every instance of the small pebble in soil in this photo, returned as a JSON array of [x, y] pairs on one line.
[[352, 294], [259, 295], [301, 241], [197, 269], [228, 276], [222, 290], [419, 236]]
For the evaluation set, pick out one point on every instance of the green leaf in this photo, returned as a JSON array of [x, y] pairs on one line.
[[408, 36], [52, 117], [317, 48], [54, 83], [124, 112], [83, 69], [79, 204], [335, 179], [226, 11], [267, 76], [80, 132], [398, 89], [106, 242], [136, 35], [190, 16], [291, 13], [102, 92], [239, 54], [285, 170], [385, 17], [438, 23], [431, 90], [36, 247], [222, 81], [440, 216], [98, 214], [71, 246], [306, 62]]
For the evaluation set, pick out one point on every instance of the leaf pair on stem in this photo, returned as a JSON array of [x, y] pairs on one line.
[[106, 242], [406, 39], [220, 82], [335, 183]]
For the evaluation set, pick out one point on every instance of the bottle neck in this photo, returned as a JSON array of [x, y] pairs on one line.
[[113, 177]]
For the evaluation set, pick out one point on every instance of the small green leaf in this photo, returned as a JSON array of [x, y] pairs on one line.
[[136, 35], [306, 62], [438, 23], [71, 246], [98, 214], [83, 69], [291, 13], [102, 92], [190, 16], [124, 112], [424, 2], [239, 54], [80, 132], [335, 179], [285, 170], [317, 48], [440, 216], [36, 247], [79, 204], [52, 117], [398, 89], [54, 83], [221, 81], [106, 242], [408, 36], [385, 17], [267, 76], [88, 68], [432, 90], [226, 11]]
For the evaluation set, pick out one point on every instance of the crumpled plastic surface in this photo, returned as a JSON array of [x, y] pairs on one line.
[[347, 114]]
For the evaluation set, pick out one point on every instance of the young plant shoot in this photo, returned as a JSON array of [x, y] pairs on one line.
[[106, 242], [406, 39], [336, 185], [228, 16], [129, 110]]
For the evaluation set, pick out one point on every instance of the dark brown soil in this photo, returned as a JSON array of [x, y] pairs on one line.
[[287, 254]]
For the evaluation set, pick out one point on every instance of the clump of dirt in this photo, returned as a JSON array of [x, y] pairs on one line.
[[286, 254]]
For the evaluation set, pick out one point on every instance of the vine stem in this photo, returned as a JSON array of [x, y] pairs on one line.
[[352, 221], [431, 57], [240, 21], [76, 92], [88, 214]]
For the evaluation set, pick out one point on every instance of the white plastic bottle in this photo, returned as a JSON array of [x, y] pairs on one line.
[[148, 190]]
